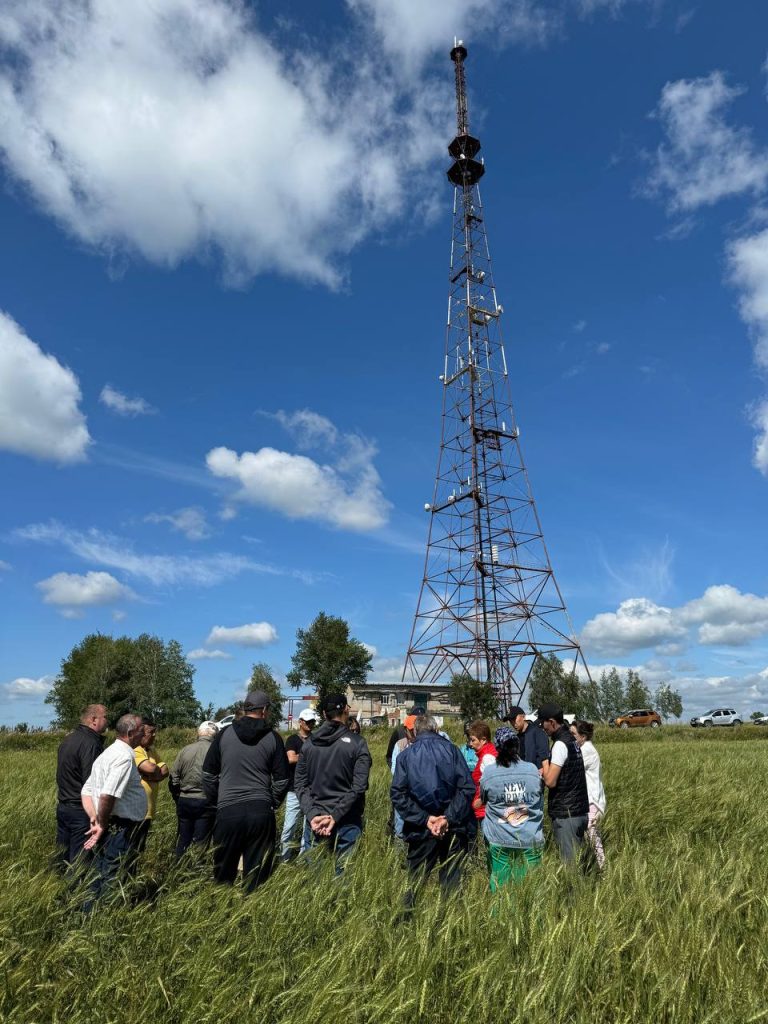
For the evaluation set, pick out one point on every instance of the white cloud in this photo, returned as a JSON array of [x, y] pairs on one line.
[[579, 326], [177, 130], [637, 623], [253, 634], [412, 31], [4, 567], [24, 688], [201, 654], [71, 592], [189, 521], [39, 400], [344, 492], [759, 418], [603, 348], [748, 265], [722, 615], [105, 549], [122, 405], [704, 159]]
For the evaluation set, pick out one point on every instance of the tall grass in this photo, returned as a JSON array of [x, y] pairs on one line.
[[676, 930]]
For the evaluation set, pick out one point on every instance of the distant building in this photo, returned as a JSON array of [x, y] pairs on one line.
[[389, 703]]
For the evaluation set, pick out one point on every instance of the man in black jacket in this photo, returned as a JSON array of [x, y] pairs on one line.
[[433, 792], [564, 776], [534, 745], [331, 780], [77, 752], [245, 773]]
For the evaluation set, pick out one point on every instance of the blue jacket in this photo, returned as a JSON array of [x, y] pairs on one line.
[[432, 778]]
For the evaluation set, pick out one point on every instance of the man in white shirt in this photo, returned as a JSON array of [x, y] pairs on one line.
[[116, 804]]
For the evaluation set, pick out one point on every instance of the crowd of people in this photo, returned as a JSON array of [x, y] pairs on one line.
[[447, 801]]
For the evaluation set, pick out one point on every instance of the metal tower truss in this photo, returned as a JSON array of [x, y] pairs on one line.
[[489, 603]]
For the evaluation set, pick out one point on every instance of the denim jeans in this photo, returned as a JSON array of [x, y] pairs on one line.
[[115, 858], [288, 845], [340, 843]]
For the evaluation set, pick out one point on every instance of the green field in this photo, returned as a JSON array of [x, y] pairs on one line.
[[675, 931]]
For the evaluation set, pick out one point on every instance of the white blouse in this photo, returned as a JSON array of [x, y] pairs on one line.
[[592, 770]]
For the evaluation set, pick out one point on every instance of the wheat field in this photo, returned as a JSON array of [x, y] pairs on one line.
[[675, 930]]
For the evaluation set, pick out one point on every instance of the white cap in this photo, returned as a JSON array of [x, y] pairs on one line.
[[308, 715]]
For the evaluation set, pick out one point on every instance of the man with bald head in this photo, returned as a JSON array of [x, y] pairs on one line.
[[77, 752]]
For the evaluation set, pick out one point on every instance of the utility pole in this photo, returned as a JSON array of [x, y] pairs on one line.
[[489, 604]]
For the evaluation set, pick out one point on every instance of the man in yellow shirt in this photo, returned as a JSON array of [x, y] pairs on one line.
[[152, 773]]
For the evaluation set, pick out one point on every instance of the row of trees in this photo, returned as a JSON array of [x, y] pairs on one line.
[[598, 700], [151, 677]]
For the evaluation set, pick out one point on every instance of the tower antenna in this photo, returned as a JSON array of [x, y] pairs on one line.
[[489, 604]]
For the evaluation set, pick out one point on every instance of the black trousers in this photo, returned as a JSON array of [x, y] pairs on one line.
[[244, 830], [427, 852], [196, 819], [72, 827]]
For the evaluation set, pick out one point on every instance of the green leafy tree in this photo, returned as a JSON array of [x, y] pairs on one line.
[[476, 699], [612, 697], [590, 701], [262, 679], [572, 694], [637, 694], [546, 682], [667, 701], [143, 675], [327, 659]]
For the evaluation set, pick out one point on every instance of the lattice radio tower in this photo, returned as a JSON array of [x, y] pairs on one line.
[[489, 603]]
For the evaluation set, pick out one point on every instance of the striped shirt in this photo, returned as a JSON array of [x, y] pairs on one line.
[[114, 773]]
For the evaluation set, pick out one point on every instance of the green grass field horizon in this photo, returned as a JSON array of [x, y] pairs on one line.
[[676, 930]]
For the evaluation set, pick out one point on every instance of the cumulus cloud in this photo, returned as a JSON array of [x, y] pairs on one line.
[[253, 634], [636, 624], [704, 159], [201, 654], [189, 521], [71, 592], [722, 615], [344, 491], [122, 405], [39, 400], [21, 688], [179, 129], [100, 548]]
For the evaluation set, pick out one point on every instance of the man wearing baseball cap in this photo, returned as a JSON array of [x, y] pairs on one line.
[[308, 719], [331, 780], [245, 773], [568, 803]]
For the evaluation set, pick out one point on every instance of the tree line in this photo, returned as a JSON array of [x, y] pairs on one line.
[[596, 700], [152, 677]]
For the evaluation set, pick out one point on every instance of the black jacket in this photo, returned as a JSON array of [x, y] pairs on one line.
[[432, 778], [332, 774], [246, 762], [77, 752], [568, 799]]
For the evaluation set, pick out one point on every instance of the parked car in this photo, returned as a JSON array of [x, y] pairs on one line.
[[224, 722], [717, 716], [635, 719], [762, 720]]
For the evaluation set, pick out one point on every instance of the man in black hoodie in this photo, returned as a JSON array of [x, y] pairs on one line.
[[245, 773], [331, 780]]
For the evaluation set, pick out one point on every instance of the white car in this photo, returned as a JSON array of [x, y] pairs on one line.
[[717, 716], [762, 720], [224, 722]]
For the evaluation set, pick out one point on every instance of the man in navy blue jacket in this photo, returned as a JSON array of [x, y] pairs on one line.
[[433, 791]]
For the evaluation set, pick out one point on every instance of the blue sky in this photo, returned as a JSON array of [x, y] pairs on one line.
[[223, 260]]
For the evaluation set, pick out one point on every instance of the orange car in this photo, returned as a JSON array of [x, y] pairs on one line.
[[633, 719]]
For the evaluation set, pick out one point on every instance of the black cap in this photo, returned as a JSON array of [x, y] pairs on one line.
[[256, 699], [547, 711], [512, 714], [334, 703], [417, 711]]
